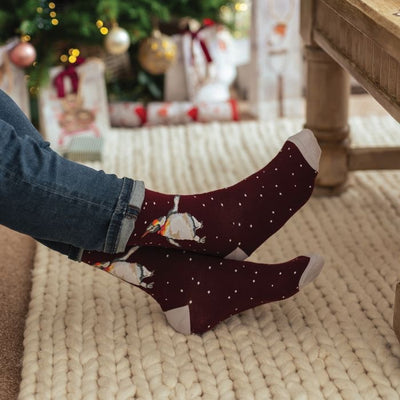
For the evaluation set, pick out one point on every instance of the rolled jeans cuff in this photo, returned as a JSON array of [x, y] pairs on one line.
[[125, 214], [123, 219]]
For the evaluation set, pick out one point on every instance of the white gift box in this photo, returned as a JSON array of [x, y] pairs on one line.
[[78, 120], [276, 67]]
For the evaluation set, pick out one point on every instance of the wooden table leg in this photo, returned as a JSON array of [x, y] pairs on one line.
[[396, 317], [327, 98]]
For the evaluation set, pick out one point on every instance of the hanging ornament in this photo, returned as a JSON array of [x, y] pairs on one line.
[[23, 54], [117, 40], [157, 53]]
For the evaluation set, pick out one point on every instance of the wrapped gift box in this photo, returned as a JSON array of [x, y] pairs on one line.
[[73, 110], [276, 68]]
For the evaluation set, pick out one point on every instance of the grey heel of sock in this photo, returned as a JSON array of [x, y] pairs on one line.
[[312, 270], [179, 319]]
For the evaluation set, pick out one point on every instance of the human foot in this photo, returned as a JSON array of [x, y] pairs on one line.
[[234, 221], [196, 292]]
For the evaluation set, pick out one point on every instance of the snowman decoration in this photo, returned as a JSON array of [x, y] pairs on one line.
[[210, 63]]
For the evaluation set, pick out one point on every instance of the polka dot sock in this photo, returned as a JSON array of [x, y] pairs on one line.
[[234, 221], [196, 292]]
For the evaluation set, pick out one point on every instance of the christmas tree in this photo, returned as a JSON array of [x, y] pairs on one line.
[[63, 30]]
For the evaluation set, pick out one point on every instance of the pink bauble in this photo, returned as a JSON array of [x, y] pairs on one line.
[[23, 54]]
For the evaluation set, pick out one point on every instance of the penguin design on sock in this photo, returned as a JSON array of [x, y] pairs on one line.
[[176, 226], [133, 273]]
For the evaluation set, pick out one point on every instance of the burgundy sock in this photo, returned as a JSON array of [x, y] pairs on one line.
[[196, 292], [234, 221]]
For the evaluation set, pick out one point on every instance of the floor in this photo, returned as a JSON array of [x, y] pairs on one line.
[[16, 259], [16, 255]]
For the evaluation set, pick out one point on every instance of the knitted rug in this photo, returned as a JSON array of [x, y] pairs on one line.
[[90, 336]]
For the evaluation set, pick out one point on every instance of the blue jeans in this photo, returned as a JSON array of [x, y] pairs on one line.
[[62, 204]]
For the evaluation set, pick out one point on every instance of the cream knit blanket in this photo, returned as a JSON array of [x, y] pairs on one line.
[[90, 336]]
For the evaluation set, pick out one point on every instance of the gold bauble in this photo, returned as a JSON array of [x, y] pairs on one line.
[[157, 53]]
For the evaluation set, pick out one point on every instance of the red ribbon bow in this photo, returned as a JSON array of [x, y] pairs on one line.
[[70, 72], [195, 36]]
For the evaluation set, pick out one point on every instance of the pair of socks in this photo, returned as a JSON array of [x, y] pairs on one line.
[[187, 251]]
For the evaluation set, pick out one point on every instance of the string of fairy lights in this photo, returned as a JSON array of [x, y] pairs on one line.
[[47, 17], [72, 54], [52, 14]]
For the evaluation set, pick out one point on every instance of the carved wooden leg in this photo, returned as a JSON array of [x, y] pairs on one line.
[[327, 97], [396, 317]]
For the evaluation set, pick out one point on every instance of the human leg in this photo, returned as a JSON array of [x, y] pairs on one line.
[[196, 292], [230, 222], [14, 116], [56, 200]]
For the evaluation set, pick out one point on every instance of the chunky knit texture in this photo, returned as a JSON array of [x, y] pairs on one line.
[[91, 336]]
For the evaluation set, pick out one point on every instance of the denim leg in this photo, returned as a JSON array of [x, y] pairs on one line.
[[66, 249], [58, 201], [13, 115]]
